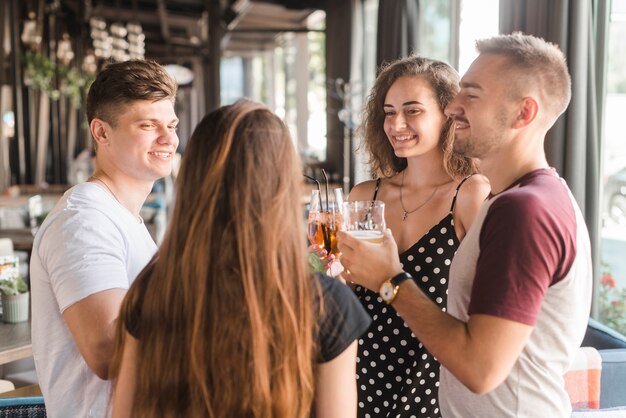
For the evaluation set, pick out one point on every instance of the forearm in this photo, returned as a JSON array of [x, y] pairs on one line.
[[99, 351], [125, 387], [479, 352], [474, 359], [443, 335], [336, 392], [92, 323]]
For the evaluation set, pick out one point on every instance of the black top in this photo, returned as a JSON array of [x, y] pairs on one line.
[[343, 319]]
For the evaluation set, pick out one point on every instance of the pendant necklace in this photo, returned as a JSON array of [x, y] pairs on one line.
[[408, 212]]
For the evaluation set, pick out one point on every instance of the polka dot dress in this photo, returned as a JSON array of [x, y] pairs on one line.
[[396, 375]]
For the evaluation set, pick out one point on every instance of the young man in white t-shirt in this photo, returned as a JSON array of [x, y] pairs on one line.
[[93, 243]]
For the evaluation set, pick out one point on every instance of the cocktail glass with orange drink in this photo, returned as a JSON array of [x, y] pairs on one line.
[[324, 221]]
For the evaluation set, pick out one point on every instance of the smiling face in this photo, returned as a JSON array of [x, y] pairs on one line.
[[413, 119], [482, 110], [142, 142]]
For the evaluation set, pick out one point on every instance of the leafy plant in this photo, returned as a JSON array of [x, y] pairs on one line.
[[612, 303], [41, 73], [14, 285], [316, 264]]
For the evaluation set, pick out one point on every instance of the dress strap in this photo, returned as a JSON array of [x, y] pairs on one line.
[[376, 188], [456, 192]]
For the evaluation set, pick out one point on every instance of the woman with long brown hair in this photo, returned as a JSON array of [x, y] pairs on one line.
[[227, 320]]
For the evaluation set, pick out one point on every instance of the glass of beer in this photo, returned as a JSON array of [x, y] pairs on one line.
[[324, 220], [364, 219]]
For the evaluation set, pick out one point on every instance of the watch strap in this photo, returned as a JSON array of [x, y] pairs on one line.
[[399, 278]]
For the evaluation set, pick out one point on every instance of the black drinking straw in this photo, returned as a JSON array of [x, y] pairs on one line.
[[326, 227], [326, 189], [319, 195]]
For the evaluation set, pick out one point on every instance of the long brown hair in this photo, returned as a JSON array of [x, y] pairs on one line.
[[444, 81], [227, 322]]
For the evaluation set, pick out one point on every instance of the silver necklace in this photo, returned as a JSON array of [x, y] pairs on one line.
[[408, 212], [107, 186]]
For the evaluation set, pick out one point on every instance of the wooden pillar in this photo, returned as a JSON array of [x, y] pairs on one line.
[[18, 105], [213, 55], [55, 105], [338, 52], [5, 170], [2, 33]]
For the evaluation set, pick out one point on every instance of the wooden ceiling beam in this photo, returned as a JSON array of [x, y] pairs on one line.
[[145, 17]]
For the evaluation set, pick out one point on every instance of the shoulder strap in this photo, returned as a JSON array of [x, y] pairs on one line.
[[376, 188], [456, 192]]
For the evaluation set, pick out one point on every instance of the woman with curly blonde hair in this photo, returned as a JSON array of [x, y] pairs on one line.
[[227, 320], [431, 197]]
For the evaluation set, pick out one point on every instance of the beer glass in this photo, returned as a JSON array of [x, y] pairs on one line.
[[364, 219]]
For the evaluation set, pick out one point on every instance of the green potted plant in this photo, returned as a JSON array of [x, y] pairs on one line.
[[14, 293]]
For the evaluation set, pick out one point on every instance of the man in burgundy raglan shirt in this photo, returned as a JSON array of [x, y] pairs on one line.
[[520, 283]]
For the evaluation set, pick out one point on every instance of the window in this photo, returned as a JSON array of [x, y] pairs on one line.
[[316, 126], [362, 78], [612, 292], [231, 82], [435, 32], [479, 19], [290, 79]]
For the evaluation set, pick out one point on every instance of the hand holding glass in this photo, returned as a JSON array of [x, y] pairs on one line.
[[364, 219]]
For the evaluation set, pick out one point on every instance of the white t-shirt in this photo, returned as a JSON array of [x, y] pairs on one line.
[[88, 243]]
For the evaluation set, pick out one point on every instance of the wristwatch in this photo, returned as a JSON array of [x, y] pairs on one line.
[[389, 288]]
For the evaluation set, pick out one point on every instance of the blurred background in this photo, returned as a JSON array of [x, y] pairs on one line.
[[312, 62]]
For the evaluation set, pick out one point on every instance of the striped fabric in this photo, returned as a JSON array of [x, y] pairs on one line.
[[26, 407], [582, 381]]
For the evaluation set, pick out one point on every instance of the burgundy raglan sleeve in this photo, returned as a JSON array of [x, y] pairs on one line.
[[522, 248]]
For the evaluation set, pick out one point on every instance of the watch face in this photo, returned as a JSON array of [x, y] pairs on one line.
[[387, 291]]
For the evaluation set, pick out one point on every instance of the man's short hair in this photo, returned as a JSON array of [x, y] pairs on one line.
[[536, 62], [122, 83]]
